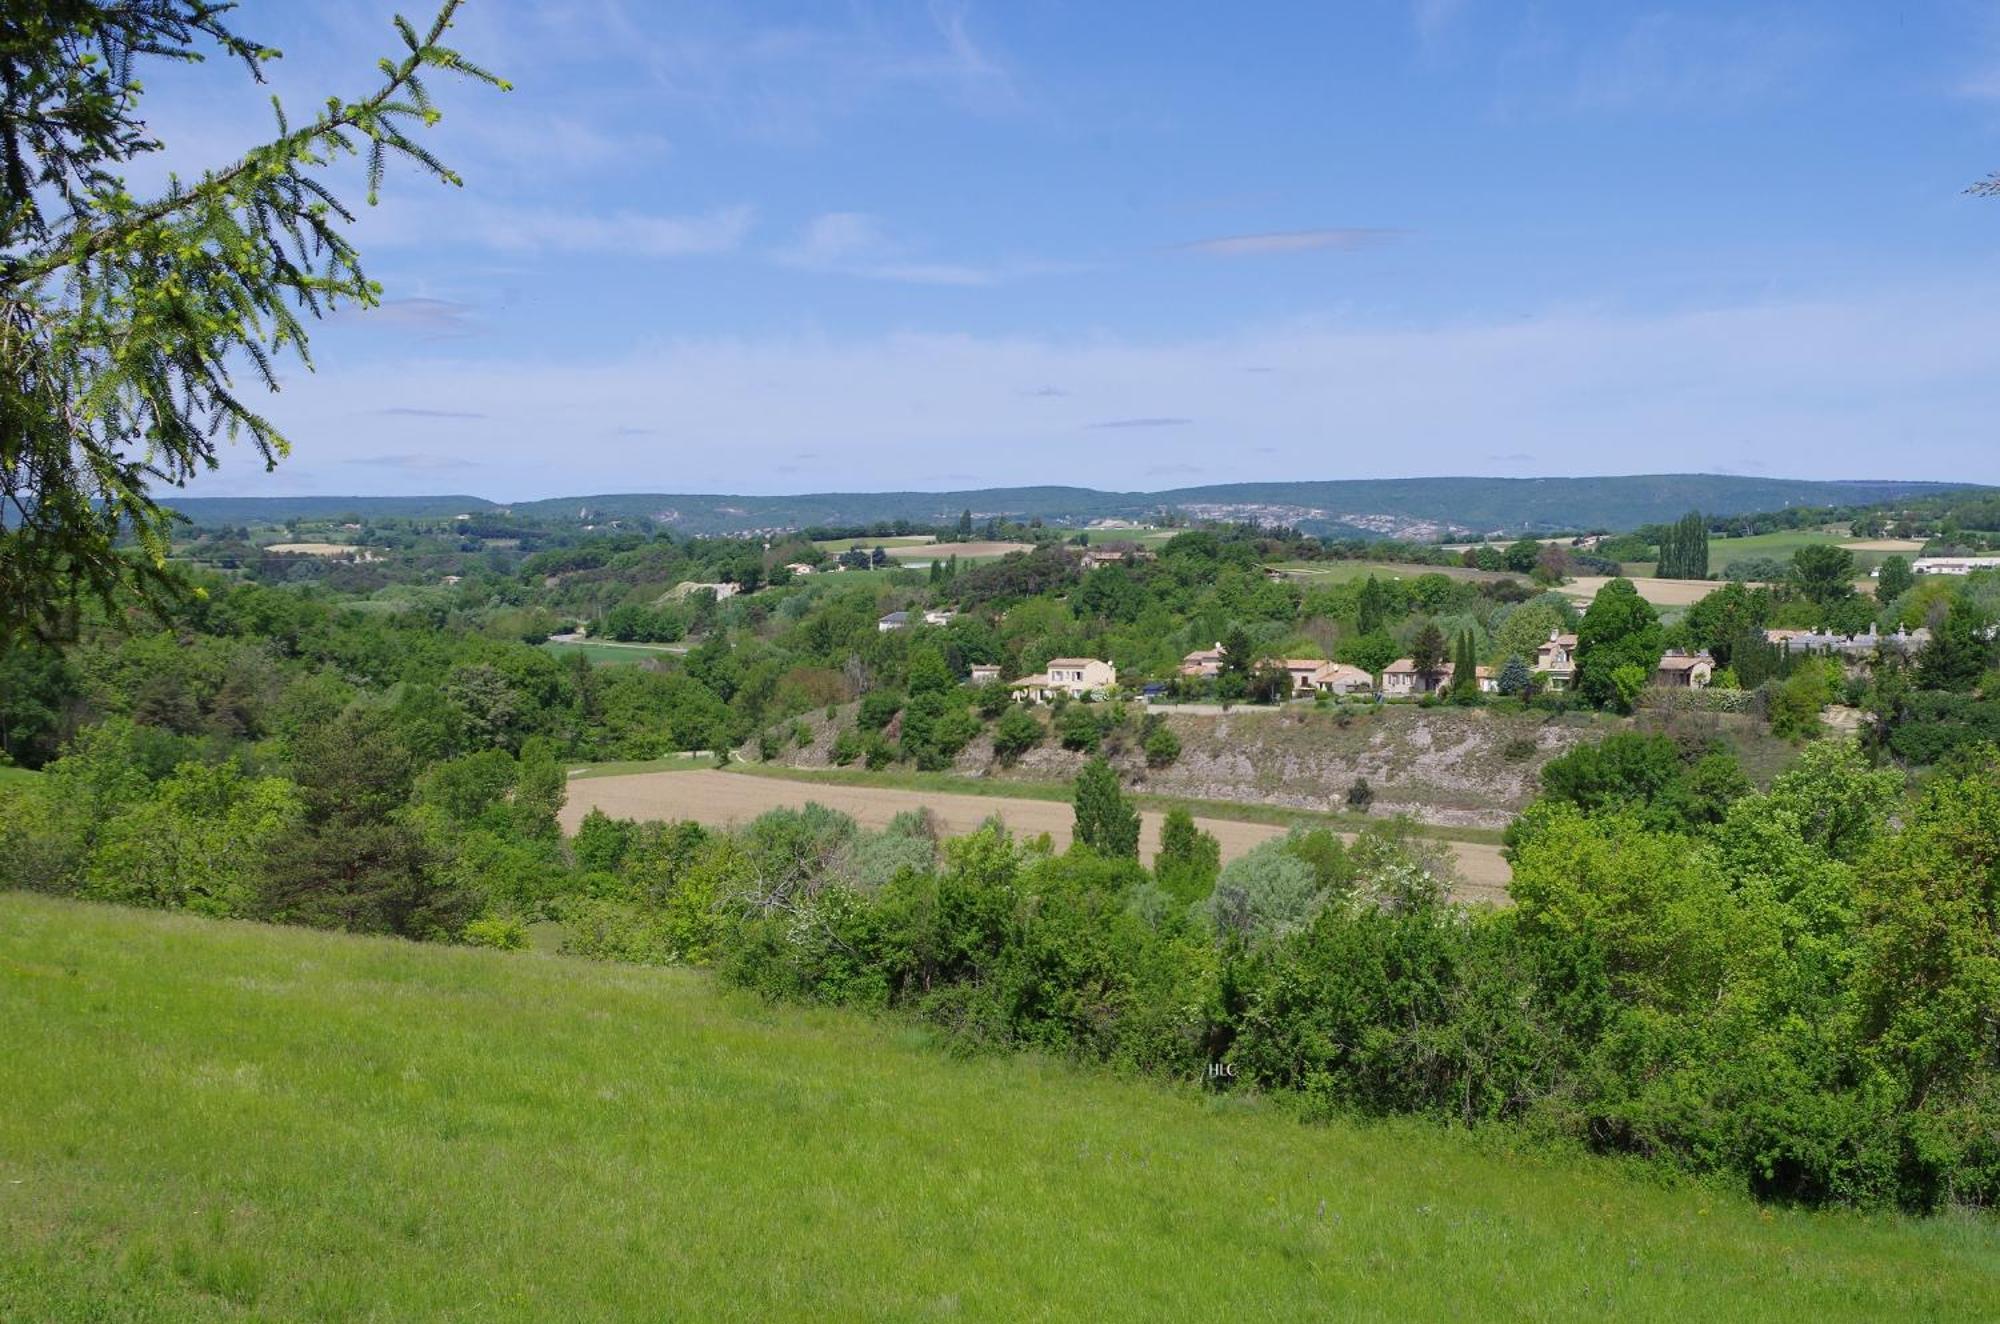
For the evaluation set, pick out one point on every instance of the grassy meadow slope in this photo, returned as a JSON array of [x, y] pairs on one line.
[[224, 1121]]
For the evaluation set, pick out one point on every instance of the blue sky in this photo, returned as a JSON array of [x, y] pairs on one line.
[[765, 248]]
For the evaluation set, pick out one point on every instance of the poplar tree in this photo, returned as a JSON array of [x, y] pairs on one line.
[[131, 326], [1105, 821], [1893, 580]]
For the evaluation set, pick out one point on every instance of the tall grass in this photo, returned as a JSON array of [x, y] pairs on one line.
[[223, 1121]]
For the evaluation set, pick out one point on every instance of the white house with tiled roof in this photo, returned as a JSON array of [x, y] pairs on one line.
[[1078, 677]]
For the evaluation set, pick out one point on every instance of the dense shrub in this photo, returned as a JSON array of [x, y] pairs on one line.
[[877, 707], [1080, 728], [500, 932], [1017, 732]]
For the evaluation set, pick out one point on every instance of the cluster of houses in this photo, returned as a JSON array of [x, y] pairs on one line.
[[1309, 675], [1096, 558], [898, 620], [1858, 646], [1555, 662], [1953, 565]]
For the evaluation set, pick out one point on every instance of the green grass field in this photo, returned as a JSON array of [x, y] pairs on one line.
[[610, 653], [838, 545], [852, 579], [668, 763], [1780, 546], [221, 1121], [13, 774]]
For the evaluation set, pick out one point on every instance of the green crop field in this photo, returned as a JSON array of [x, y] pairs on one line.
[[848, 544], [1779, 546], [610, 653], [665, 763], [221, 1121]]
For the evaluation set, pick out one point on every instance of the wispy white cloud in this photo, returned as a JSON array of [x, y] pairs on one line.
[[1433, 18], [855, 244], [433, 319], [786, 81], [1342, 238], [1681, 61], [1665, 60], [414, 462], [511, 229], [411, 411], [1895, 382]]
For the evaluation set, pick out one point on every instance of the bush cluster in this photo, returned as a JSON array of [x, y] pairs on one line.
[[1790, 988]]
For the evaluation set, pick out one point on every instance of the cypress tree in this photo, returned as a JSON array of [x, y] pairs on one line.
[[1427, 651], [1465, 671], [1371, 611]]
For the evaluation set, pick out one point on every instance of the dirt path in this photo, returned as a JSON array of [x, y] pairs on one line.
[[720, 799]]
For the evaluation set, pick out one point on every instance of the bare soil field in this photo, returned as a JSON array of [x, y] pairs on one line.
[[318, 548], [963, 550], [722, 799], [1659, 592], [1341, 570]]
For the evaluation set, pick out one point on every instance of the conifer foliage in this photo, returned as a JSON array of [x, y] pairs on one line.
[[1465, 670], [126, 322]]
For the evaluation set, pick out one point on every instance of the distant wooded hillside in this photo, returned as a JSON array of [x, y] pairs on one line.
[[1390, 507]]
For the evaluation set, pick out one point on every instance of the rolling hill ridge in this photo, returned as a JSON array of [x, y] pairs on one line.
[[1413, 508]]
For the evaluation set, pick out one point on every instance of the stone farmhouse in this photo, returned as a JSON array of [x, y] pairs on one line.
[[1096, 558], [1556, 660], [1859, 647], [1402, 680], [1680, 670], [1203, 663], [1315, 676]]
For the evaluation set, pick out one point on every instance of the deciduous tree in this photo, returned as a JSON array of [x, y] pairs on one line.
[[1620, 629], [1105, 822]]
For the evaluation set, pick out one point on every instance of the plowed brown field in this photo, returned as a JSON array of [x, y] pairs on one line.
[[721, 799]]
